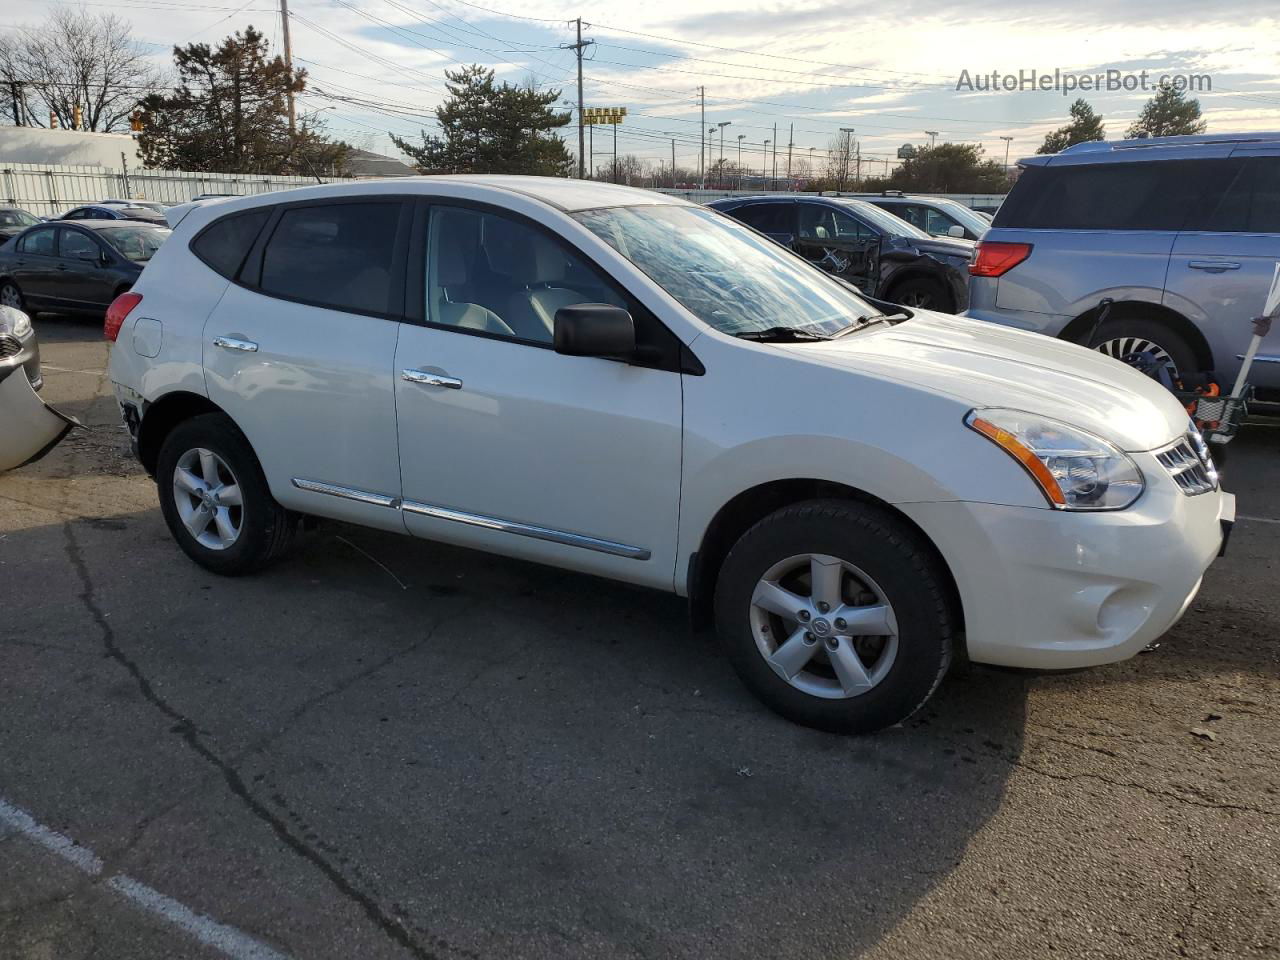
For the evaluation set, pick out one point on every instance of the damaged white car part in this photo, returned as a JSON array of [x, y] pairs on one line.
[[29, 427]]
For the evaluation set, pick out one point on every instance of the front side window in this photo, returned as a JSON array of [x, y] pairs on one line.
[[77, 246], [819, 222], [493, 274], [767, 217], [337, 255], [42, 242], [726, 275]]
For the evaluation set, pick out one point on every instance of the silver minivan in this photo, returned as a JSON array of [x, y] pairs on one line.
[[1181, 233]]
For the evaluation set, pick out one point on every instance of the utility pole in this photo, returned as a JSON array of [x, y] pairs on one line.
[[773, 179], [577, 48], [1007, 141], [591, 134], [673, 163], [791, 135], [857, 176], [845, 148], [702, 150], [615, 153], [741, 137], [288, 62]]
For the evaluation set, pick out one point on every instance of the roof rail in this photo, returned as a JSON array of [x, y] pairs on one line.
[[1098, 146]]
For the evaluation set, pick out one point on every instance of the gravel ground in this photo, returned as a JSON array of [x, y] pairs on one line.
[[389, 748]]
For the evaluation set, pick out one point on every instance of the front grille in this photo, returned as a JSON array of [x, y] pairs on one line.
[[9, 346], [1189, 464]]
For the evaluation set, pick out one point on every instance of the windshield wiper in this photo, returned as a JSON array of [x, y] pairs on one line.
[[781, 335], [863, 322]]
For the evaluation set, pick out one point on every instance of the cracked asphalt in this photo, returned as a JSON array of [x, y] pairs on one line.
[[384, 748]]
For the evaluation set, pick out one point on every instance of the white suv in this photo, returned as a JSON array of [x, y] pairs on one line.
[[633, 386]]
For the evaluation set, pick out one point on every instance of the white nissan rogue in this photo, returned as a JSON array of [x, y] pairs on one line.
[[630, 385]]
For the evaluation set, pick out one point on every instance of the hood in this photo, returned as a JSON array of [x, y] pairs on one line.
[[986, 365], [945, 247]]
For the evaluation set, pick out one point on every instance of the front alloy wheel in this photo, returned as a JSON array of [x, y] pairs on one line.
[[10, 296], [824, 626]]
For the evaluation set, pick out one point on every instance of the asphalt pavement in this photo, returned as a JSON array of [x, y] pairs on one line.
[[386, 748]]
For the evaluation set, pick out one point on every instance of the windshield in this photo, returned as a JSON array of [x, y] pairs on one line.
[[727, 275], [883, 219], [969, 218], [136, 243], [17, 218]]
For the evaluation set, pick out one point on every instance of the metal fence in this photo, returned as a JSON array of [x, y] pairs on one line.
[[976, 200], [51, 189]]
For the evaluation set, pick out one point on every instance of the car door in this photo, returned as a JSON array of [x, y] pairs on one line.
[[34, 267], [1222, 267], [299, 350], [839, 243], [82, 277], [509, 446]]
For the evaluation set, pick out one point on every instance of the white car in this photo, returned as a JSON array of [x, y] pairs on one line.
[[626, 384]]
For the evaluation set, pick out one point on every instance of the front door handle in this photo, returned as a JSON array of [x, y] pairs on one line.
[[431, 379], [234, 343], [1213, 266]]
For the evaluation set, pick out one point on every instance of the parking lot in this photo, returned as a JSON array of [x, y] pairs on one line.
[[390, 748]]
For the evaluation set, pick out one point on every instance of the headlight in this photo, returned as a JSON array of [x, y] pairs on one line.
[[1075, 470], [21, 324]]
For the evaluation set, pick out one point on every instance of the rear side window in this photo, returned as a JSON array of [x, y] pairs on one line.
[[224, 244], [1251, 204], [766, 217], [334, 255], [1113, 196]]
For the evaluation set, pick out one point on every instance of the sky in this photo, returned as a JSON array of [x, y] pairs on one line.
[[889, 71]]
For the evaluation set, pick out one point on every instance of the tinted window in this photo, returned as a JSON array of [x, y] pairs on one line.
[[498, 275], [16, 218], [767, 217], [224, 244], [1115, 196], [336, 255], [42, 241], [77, 246], [1251, 202]]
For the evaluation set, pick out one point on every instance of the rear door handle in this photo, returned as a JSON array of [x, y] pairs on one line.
[[1214, 266], [234, 343], [431, 379]]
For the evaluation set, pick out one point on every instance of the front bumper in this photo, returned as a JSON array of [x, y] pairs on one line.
[[1049, 589]]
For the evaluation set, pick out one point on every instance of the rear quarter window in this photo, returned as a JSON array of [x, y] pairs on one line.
[[1113, 196], [224, 244]]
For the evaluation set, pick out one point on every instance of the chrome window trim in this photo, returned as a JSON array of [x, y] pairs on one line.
[[533, 531]]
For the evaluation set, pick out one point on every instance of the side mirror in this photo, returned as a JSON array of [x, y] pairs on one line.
[[595, 330], [956, 231]]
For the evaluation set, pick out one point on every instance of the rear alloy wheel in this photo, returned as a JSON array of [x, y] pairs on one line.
[[215, 499], [1128, 337], [10, 295], [836, 614], [922, 294]]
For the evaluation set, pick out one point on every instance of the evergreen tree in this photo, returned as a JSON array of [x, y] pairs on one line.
[[949, 168], [1085, 125], [487, 127], [229, 114], [1168, 114]]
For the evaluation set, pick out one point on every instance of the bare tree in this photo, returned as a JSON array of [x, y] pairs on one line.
[[839, 155], [78, 59]]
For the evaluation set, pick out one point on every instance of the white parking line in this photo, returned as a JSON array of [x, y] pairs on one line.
[[226, 940], [87, 373]]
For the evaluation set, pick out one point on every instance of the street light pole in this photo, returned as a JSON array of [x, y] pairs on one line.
[[720, 172], [845, 148], [764, 162], [741, 137], [1007, 141], [933, 137]]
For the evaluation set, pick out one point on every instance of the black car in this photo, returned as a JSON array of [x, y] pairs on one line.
[[13, 220], [883, 256], [75, 267], [115, 212]]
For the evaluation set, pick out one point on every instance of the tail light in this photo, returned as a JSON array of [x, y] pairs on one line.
[[994, 258], [120, 308]]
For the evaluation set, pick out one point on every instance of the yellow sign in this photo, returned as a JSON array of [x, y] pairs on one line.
[[603, 114]]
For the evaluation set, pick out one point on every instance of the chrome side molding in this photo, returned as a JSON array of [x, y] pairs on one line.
[[530, 530]]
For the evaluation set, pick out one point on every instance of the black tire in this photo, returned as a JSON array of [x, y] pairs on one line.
[[892, 554], [266, 528], [9, 286], [1137, 331], [923, 294]]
